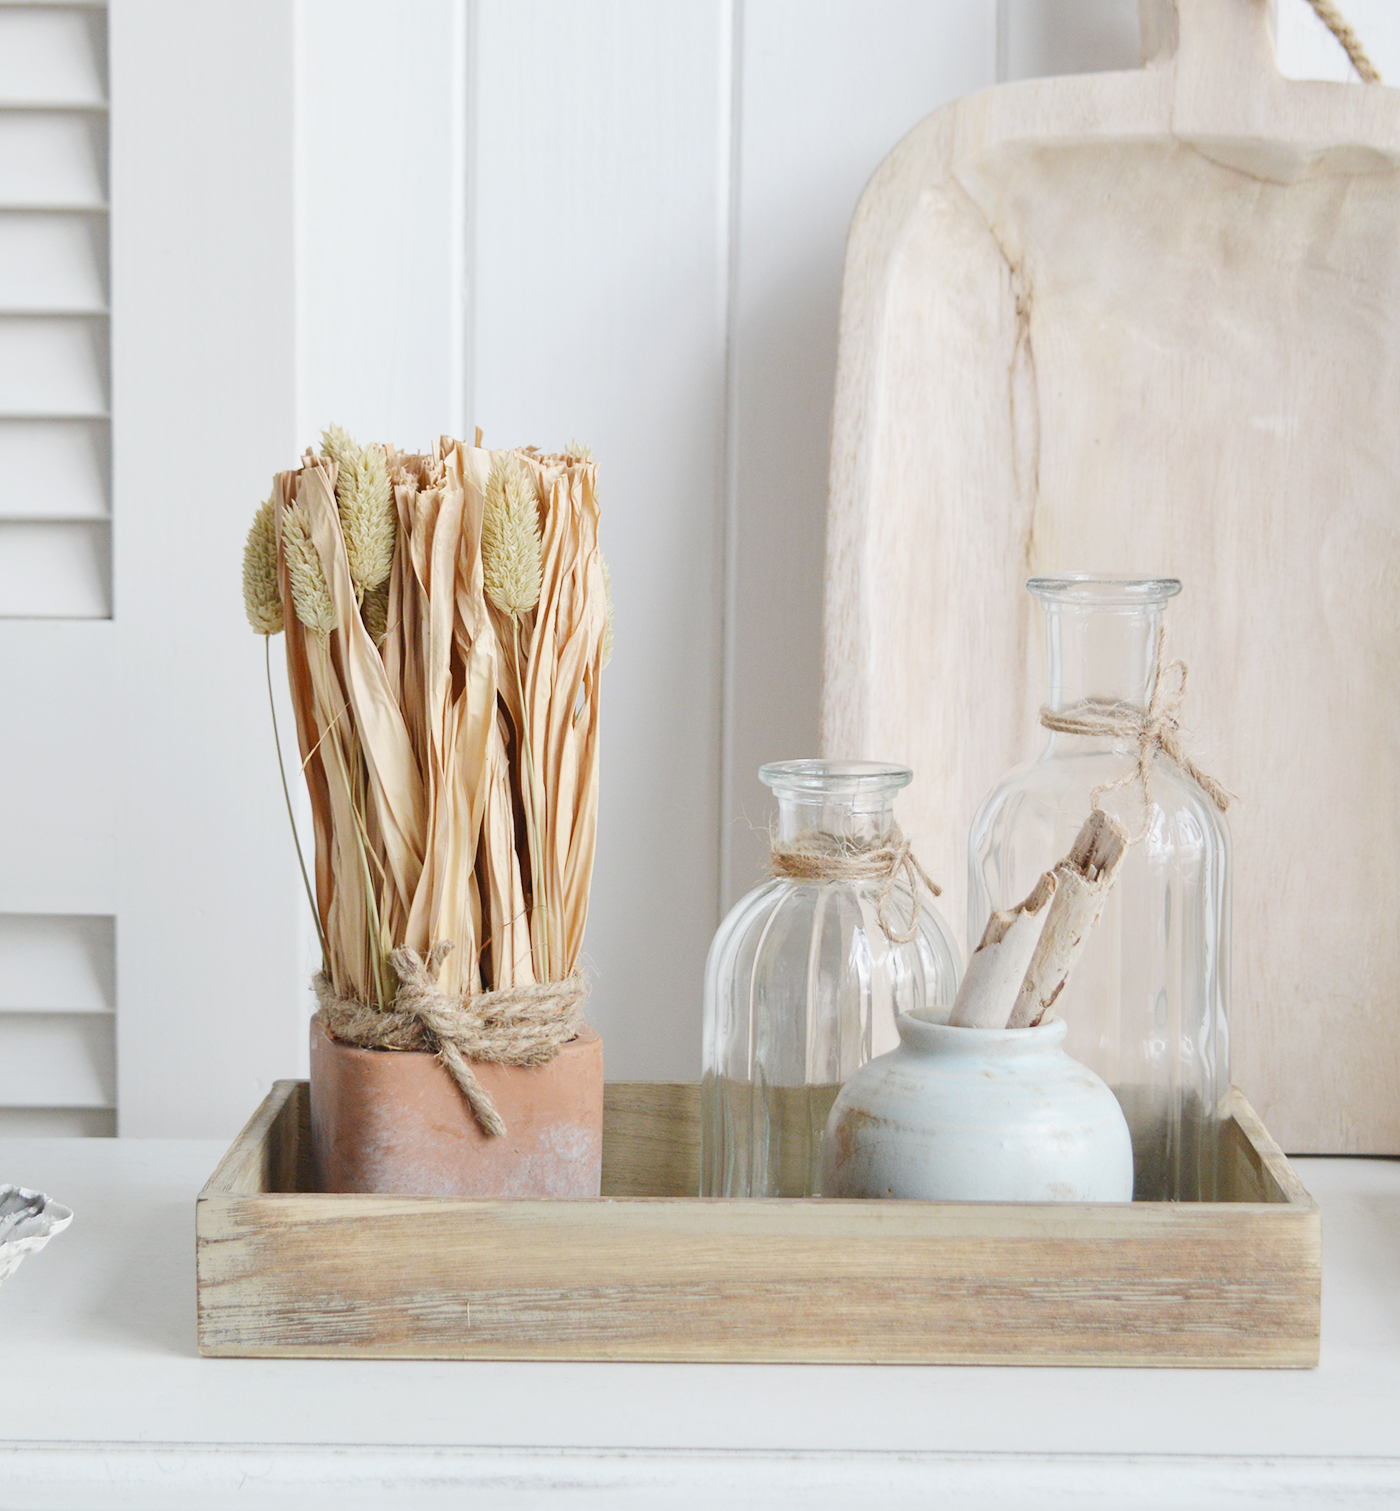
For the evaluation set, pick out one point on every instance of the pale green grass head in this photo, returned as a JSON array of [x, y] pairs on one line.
[[262, 599], [510, 538]]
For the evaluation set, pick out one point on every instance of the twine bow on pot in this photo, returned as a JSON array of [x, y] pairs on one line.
[[818, 857], [1158, 727], [520, 1025]]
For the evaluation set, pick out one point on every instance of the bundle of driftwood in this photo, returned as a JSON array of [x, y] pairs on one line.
[[1027, 952], [447, 617]]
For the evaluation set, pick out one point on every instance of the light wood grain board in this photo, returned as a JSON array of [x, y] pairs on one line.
[[1149, 323], [649, 1272]]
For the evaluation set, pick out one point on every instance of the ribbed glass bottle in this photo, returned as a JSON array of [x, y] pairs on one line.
[[1147, 1003], [802, 985]]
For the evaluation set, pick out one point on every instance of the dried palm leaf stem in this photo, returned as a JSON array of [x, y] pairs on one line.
[[262, 602], [511, 578], [304, 714], [287, 799]]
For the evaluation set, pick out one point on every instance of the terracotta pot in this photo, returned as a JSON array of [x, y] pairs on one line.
[[395, 1122]]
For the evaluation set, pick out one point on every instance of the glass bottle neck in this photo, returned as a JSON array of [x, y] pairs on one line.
[[861, 820], [849, 804], [1101, 654]]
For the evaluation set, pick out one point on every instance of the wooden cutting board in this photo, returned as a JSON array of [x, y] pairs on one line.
[[1148, 323]]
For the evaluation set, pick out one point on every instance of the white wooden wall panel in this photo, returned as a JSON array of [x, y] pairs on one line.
[[600, 258], [1306, 50], [615, 220], [382, 181], [563, 272], [828, 88], [380, 318], [210, 1000], [1041, 37]]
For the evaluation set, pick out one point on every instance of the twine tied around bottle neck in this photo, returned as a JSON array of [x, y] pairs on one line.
[[816, 857], [519, 1025], [1158, 727]]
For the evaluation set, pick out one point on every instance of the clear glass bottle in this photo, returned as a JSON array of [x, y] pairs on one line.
[[802, 984], [1147, 1003]]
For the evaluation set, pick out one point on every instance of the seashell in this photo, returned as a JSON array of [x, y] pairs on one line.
[[28, 1219]]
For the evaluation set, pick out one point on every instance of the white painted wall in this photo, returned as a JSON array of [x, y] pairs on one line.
[[599, 295], [825, 89], [620, 220]]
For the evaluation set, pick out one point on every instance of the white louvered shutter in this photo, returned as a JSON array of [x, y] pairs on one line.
[[57, 997]]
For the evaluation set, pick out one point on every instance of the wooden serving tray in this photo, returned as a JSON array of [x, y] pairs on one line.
[[649, 1272]]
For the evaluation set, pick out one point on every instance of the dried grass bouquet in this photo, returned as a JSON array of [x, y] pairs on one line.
[[447, 618]]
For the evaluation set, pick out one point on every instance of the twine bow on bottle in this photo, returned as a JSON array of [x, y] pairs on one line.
[[1158, 727], [818, 857]]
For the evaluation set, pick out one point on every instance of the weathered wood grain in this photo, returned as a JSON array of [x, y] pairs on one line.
[[1149, 323], [286, 1271], [651, 1138], [273, 1151]]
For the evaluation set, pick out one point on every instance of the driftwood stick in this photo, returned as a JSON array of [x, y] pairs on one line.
[[1083, 881], [998, 965]]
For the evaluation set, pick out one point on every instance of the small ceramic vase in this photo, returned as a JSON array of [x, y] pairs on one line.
[[977, 1114]]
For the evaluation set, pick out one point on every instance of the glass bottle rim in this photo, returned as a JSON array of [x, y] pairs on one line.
[[1089, 590], [834, 778]]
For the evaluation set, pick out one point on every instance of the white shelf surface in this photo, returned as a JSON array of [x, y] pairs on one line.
[[104, 1397]]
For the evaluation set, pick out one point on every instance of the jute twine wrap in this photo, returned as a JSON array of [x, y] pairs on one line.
[[522, 1025], [1152, 729], [822, 857]]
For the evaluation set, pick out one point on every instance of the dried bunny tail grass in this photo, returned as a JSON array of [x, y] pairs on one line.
[[338, 445], [606, 650], [262, 600], [376, 612], [578, 451], [367, 517], [510, 537], [365, 503], [310, 595]]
